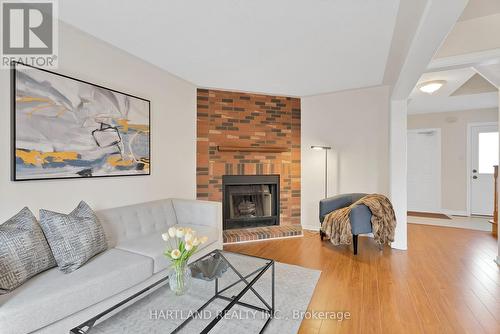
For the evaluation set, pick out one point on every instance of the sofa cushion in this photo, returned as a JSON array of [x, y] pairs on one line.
[[74, 238], [135, 221], [154, 246], [24, 252], [198, 212], [151, 245], [53, 295]]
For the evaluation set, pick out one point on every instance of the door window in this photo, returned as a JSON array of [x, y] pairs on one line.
[[488, 152]]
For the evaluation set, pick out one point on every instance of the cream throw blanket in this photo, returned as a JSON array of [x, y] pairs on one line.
[[337, 225]]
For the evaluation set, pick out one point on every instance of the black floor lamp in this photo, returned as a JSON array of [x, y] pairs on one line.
[[325, 148]]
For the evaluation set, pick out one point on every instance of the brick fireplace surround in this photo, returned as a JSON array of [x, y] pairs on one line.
[[259, 122]]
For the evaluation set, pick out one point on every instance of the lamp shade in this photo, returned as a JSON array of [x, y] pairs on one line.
[[318, 147]]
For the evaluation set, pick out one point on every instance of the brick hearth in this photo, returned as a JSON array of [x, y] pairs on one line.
[[250, 120], [261, 233]]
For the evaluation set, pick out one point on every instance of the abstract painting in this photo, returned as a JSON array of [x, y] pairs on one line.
[[68, 128]]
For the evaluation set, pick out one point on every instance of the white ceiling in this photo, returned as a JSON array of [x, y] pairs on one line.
[[288, 47], [480, 8], [443, 100], [491, 71]]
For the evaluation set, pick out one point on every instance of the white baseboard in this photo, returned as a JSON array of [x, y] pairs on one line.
[[445, 212], [311, 227], [454, 213]]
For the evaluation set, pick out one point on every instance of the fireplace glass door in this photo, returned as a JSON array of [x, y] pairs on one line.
[[250, 201]]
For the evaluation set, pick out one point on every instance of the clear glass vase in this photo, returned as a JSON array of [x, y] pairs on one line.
[[179, 278]]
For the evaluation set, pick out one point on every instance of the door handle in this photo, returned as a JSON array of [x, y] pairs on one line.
[[474, 170], [474, 177]]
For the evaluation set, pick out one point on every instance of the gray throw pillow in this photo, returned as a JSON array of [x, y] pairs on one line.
[[24, 252], [74, 238]]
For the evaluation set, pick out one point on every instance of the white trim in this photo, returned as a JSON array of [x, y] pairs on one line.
[[498, 257], [315, 228], [440, 154], [468, 59], [268, 239], [424, 129], [427, 211], [455, 213], [445, 212], [398, 170], [469, 158]]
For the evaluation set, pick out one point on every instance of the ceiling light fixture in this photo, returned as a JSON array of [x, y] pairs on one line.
[[431, 87]]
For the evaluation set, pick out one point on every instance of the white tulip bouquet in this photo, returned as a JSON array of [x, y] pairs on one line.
[[182, 243]]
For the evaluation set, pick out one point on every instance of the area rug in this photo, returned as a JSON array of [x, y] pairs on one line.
[[162, 311]]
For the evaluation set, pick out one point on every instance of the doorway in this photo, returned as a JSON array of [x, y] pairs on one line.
[[424, 170], [483, 155]]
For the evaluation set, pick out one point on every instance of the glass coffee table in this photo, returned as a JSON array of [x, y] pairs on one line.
[[225, 287]]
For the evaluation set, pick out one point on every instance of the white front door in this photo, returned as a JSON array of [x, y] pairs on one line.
[[424, 170], [484, 155]]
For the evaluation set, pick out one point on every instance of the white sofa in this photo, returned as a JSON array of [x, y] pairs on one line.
[[54, 302]]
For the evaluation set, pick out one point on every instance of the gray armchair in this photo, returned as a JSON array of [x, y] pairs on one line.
[[360, 215]]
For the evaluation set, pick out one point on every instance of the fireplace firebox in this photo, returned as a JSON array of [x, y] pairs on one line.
[[250, 201]]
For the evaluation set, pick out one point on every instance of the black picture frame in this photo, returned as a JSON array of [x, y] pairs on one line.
[[13, 81]]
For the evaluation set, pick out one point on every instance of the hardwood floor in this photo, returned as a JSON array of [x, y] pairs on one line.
[[446, 282]]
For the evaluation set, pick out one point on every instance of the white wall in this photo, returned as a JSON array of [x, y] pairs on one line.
[[356, 124], [173, 117], [453, 127]]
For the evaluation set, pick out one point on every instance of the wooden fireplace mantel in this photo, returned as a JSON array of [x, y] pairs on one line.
[[263, 149]]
